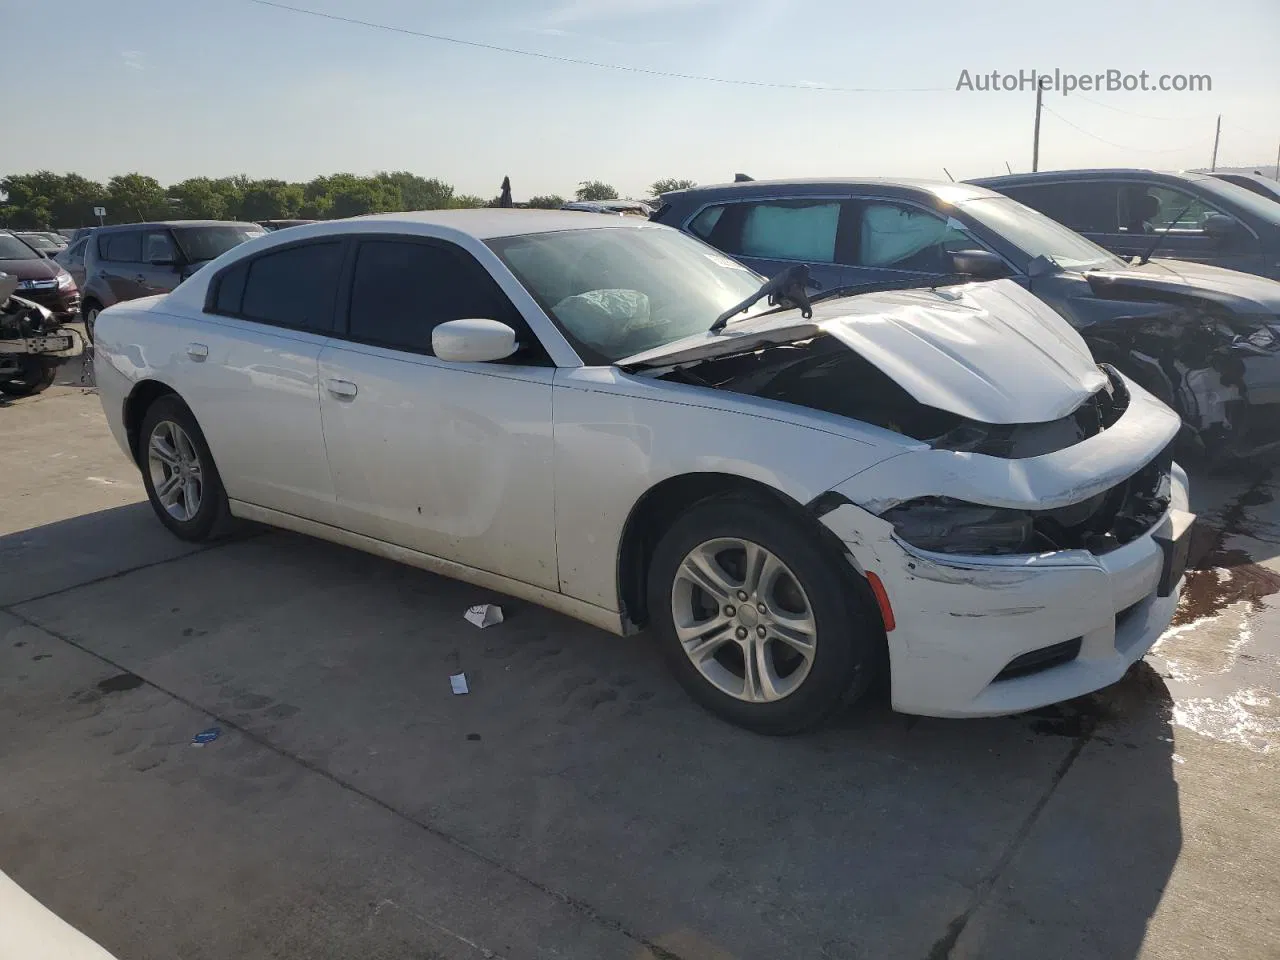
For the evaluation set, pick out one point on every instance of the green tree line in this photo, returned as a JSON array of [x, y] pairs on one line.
[[47, 200]]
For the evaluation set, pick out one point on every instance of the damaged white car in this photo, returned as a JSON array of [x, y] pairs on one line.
[[592, 414]]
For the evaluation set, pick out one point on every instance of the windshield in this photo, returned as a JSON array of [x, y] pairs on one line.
[[207, 243], [11, 248], [617, 291], [1037, 236], [40, 242], [1252, 203]]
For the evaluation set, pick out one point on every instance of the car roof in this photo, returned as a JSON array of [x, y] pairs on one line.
[[483, 223], [942, 189], [116, 227], [1096, 173]]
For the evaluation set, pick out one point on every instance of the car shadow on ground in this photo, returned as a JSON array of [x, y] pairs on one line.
[[576, 762]]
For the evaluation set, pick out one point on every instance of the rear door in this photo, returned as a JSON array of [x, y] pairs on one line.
[[119, 265], [770, 235], [250, 375], [449, 459]]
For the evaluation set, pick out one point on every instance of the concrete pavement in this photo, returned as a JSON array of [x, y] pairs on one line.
[[575, 804]]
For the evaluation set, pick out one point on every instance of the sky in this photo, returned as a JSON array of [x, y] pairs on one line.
[[181, 88]]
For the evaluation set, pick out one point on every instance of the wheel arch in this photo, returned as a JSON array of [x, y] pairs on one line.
[[661, 504], [136, 404]]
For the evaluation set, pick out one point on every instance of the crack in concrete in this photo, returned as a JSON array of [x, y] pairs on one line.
[[942, 948], [580, 907]]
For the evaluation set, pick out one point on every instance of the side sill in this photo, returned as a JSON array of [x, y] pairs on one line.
[[609, 620]]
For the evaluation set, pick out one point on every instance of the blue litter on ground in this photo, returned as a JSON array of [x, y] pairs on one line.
[[206, 736]]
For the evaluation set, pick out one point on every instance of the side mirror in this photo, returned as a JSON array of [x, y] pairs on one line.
[[979, 264], [473, 341], [1221, 227]]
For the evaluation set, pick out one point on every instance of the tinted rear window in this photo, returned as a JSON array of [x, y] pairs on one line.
[[295, 287]]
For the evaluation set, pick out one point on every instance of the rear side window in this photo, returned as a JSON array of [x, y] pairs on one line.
[[792, 230], [295, 287], [1084, 206], [402, 290], [121, 247]]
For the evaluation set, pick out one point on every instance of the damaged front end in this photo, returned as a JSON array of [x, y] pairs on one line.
[[1215, 358], [32, 343]]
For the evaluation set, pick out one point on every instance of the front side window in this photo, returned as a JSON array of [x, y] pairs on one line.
[[1151, 207], [75, 252], [1264, 206], [802, 230], [157, 245], [124, 247], [12, 248], [295, 287], [402, 290], [897, 236], [616, 291]]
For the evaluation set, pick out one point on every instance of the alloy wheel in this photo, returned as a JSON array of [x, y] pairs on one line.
[[176, 472], [743, 619]]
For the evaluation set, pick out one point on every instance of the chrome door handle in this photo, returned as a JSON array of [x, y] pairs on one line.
[[342, 389], [197, 351]]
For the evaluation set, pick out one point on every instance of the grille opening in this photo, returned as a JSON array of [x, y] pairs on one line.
[[1036, 661]]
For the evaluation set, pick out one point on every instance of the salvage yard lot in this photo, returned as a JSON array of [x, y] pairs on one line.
[[576, 803]]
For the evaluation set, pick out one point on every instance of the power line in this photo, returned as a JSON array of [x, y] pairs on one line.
[[811, 87], [1112, 143], [1131, 113]]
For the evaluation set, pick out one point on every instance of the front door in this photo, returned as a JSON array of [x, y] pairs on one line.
[[1171, 220], [160, 270], [895, 240], [449, 459]]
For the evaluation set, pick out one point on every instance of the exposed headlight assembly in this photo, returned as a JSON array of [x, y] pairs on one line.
[[944, 525], [65, 280]]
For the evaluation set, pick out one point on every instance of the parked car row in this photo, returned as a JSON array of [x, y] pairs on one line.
[[795, 489], [1201, 338]]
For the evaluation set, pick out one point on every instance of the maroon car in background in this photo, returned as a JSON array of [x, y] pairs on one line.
[[135, 260], [40, 279]]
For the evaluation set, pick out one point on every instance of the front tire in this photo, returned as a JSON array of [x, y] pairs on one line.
[[178, 471], [757, 618], [90, 313]]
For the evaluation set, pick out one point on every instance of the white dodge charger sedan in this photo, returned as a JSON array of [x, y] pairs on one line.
[[589, 413]]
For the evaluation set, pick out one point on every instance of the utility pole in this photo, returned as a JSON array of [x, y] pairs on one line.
[[1278, 163], [1213, 164], [1035, 143]]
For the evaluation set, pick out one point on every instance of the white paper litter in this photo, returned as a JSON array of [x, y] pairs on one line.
[[458, 683], [483, 615]]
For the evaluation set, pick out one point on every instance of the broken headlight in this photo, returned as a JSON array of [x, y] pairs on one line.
[[944, 525]]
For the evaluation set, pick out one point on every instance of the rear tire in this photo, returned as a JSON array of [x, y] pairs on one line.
[[757, 619], [36, 376], [178, 471]]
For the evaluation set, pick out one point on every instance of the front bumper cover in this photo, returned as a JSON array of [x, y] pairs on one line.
[[961, 620]]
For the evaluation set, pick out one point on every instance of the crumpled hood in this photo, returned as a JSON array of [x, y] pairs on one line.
[[990, 352], [1178, 279]]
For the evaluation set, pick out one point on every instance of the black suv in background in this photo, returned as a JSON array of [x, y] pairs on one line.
[[143, 259], [1194, 216], [1204, 340]]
